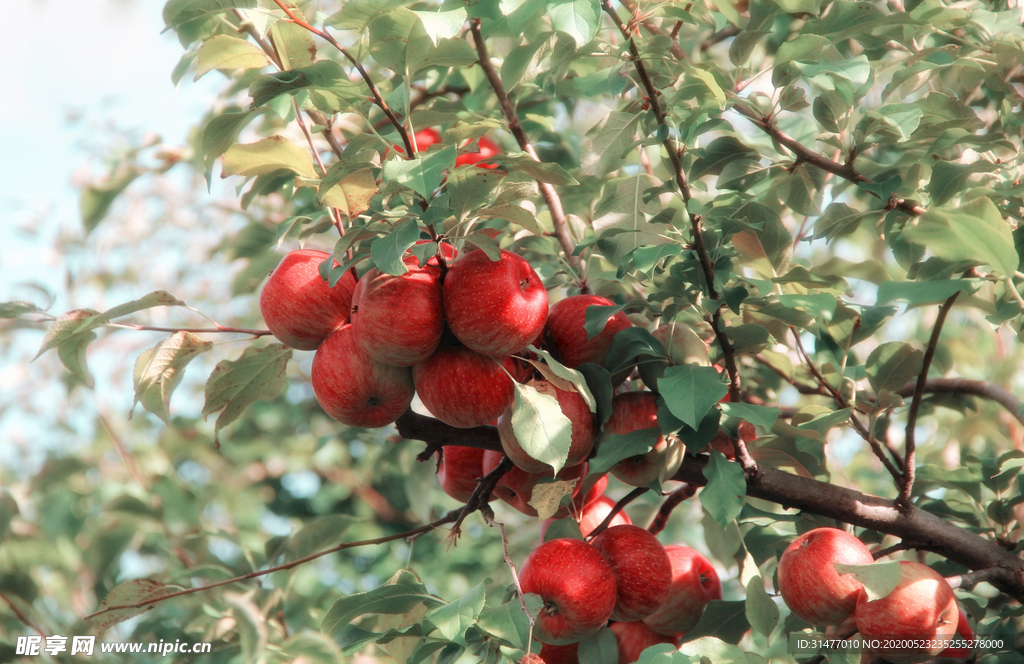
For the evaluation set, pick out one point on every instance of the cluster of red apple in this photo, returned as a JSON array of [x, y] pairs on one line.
[[920, 614], [487, 148]]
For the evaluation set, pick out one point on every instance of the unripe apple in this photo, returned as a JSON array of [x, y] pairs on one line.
[[810, 584], [355, 389], [463, 388], [298, 306], [634, 411], [460, 470], [566, 337], [494, 307], [635, 637], [682, 346], [694, 584], [574, 407], [487, 148], [643, 573], [578, 588], [516, 486], [922, 608], [398, 319]]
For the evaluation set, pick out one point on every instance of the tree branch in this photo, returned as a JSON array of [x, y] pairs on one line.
[[910, 448], [979, 388], [653, 96], [195, 330], [627, 499], [673, 500], [551, 198], [971, 579]]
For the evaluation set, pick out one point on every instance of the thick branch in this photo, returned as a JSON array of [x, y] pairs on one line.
[[978, 388], [915, 405], [673, 500], [551, 198], [927, 531]]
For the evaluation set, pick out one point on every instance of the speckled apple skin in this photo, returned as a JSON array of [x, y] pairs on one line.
[[809, 583], [566, 337], [694, 583], [355, 389], [583, 431], [298, 306], [642, 569], [463, 388], [494, 307], [398, 320], [922, 606], [578, 588]]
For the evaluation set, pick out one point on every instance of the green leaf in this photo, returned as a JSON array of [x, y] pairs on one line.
[[596, 317], [558, 374], [159, 370], [691, 391], [328, 85], [718, 153], [423, 174], [234, 384], [949, 178], [622, 210], [722, 619], [879, 578], [599, 648], [294, 44], [561, 528], [470, 189], [580, 19], [810, 279], [605, 145], [17, 308], [540, 426], [9, 510], [129, 592], [974, 232], [508, 622], [178, 12], [541, 171], [832, 110], [762, 612], [225, 52], [399, 597], [442, 24], [892, 364], [761, 416], [266, 156], [97, 198], [613, 448], [452, 620], [220, 134], [838, 220], [387, 251], [925, 292], [516, 215], [726, 489], [317, 535]]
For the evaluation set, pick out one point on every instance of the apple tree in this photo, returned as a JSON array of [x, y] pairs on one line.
[[625, 296]]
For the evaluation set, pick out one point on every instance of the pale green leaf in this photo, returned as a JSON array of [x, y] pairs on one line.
[[266, 156], [540, 426], [159, 370], [226, 52], [260, 373]]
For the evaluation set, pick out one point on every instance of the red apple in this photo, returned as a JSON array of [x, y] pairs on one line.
[[578, 588], [922, 608], [596, 490], [487, 148], [459, 471], [398, 320], [532, 658], [635, 637], [634, 411], [728, 397], [552, 654], [694, 584], [494, 307], [298, 306], [808, 581], [566, 337], [424, 138], [516, 486], [581, 420], [355, 389], [643, 573], [964, 630], [463, 388]]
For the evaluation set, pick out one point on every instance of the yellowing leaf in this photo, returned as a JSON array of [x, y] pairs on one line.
[[547, 497], [351, 194], [266, 156]]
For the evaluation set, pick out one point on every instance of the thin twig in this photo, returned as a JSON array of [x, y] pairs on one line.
[[915, 405], [673, 500], [978, 388], [627, 499], [895, 548], [488, 515], [971, 579], [551, 198], [481, 495], [448, 518], [20, 615], [193, 330], [674, 155]]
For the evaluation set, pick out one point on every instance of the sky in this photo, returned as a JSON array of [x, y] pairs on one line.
[[71, 69]]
